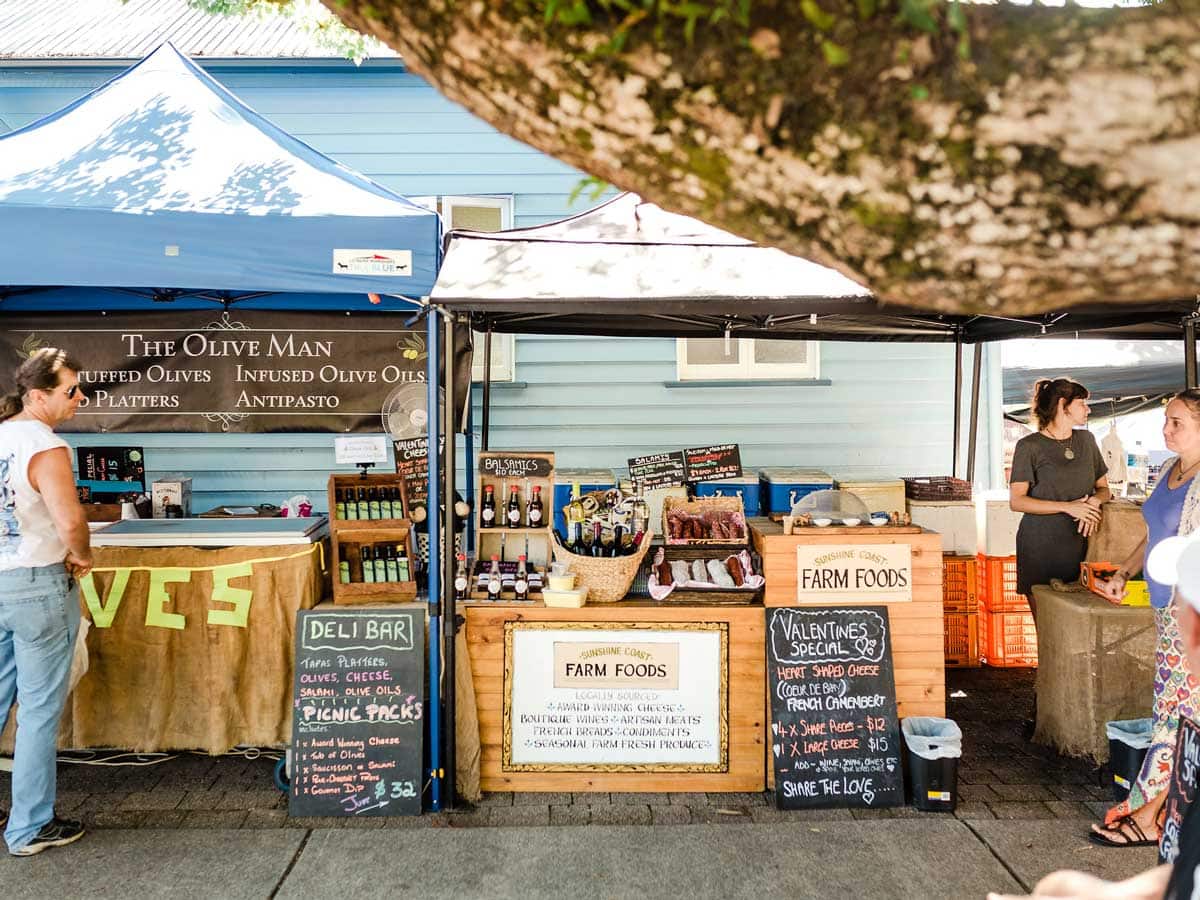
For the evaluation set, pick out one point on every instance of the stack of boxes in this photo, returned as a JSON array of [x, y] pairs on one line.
[[1007, 636]]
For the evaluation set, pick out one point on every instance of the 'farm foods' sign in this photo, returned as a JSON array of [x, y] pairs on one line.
[[853, 573]]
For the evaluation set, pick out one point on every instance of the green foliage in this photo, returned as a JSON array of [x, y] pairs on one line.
[[326, 29], [591, 185], [665, 14]]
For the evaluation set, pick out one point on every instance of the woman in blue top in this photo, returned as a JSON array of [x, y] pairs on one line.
[[1173, 508]]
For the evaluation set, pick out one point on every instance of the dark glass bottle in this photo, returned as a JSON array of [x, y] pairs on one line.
[[364, 509], [494, 581], [617, 548], [461, 583], [513, 511], [368, 565], [487, 509], [597, 543], [534, 513], [339, 509], [373, 511], [521, 583]]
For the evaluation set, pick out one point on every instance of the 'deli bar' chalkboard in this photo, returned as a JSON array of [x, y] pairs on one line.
[[1181, 791], [358, 713], [835, 737]]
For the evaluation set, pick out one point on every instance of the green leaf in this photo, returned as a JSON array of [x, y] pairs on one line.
[[919, 92], [964, 45], [820, 19], [956, 17], [597, 186], [835, 54], [866, 8], [916, 13]]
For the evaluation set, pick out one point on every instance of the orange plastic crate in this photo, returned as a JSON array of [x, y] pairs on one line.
[[996, 577], [1008, 639], [962, 640], [959, 584]]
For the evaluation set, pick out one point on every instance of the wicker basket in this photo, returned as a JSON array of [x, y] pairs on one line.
[[937, 487], [607, 578], [699, 507]]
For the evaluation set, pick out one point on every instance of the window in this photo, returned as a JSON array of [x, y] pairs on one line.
[[745, 359], [480, 214]]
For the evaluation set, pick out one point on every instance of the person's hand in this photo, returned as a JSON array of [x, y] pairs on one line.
[[1113, 590], [1082, 511], [78, 566]]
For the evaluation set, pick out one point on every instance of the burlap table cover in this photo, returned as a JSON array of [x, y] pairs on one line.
[[191, 649], [1095, 664]]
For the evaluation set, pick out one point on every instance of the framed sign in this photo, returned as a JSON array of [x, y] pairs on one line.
[[853, 573], [616, 697]]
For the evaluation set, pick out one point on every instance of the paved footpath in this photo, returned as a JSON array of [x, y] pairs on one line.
[[194, 823]]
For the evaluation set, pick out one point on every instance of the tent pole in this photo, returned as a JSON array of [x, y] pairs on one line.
[[449, 561], [976, 371], [433, 525], [487, 389], [1189, 351], [957, 402], [469, 469]]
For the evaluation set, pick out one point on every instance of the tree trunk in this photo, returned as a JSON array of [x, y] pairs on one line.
[[1056, 166]]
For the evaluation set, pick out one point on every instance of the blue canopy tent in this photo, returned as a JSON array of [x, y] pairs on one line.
[[161, 191], [161, 186]]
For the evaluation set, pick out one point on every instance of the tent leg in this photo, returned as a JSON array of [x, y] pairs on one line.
[[469, 470], [450, 560], [957, 403], [1189, 351], [973, 433], [487, 390], [433, 524]]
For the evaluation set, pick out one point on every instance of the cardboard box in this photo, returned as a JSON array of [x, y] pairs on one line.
[[171, 492]]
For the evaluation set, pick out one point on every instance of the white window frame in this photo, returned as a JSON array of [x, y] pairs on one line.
[[504, 346], [746, 368]]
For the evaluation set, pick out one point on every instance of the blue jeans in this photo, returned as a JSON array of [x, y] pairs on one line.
[[39, 618]]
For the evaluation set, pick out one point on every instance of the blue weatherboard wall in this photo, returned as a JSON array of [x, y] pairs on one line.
[[595, 401]]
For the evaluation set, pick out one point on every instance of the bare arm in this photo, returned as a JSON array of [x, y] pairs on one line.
[[1020, 501], [50, 474], [1114, 588], [1101, 494]]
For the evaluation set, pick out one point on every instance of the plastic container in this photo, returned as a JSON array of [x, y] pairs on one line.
[[588, 480], [877, 496], [1007, 639], [961, 631], [995, 525], [934, 747], [960, 584], [996, 579], [1128, 742], [747, 488], [783, 487]]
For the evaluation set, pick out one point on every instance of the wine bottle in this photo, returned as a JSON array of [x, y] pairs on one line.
[[616, 544], [534, 514], [368, 565], [460, 578], [597, 544], [494, 584], [487, 509], [521, 583], [513, 512]]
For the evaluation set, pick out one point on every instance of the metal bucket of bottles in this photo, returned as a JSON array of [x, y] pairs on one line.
[[607, 578]]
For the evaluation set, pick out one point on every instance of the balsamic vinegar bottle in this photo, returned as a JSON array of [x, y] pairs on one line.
[[494, 582], [487, 509], [521, 583], [461, 584], [513, 512], [534, 513]]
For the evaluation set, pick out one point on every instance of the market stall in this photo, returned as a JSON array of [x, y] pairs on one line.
[[216, 275]]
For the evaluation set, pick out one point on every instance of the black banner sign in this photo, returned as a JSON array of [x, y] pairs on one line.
[[515, 465], [1182, 788], [658, 470], [835, 735], [358, 719], [245, 371], [713, 463]]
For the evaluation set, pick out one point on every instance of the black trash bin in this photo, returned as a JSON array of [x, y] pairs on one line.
[[934, 748], [1128, 742]]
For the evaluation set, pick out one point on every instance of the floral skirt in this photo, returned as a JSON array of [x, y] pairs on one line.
[[1175, 694]]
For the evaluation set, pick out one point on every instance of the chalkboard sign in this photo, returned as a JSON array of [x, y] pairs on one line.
[[358, 713], [658, 470], [835, 737], [111, 470], [1182, 789], [713, 463], [516, 465]]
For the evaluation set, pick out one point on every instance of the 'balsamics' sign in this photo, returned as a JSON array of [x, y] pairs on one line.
[[246, 371], [853, 573]]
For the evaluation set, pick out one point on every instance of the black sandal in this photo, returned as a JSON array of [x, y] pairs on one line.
[[1118, 827]]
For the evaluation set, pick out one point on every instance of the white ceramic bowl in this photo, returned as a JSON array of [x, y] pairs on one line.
[[822, 522], [851, 521], [879, 522]]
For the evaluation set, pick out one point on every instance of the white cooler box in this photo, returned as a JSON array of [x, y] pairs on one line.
[[954, 520], [995, 525]]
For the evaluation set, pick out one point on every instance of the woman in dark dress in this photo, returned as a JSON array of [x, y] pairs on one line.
[[1058, 482]]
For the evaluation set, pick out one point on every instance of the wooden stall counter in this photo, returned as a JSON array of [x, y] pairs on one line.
[[901, 568], [629, 696]]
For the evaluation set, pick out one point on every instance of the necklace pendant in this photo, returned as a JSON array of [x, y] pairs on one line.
[[1069, 453]]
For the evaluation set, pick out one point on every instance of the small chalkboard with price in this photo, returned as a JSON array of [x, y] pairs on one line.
[[1182, 789], [835, 736], [358, 719], [658, 470]]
